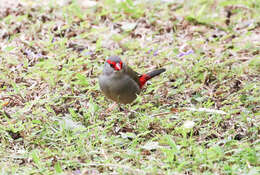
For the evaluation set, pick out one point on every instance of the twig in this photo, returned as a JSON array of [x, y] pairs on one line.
[[207, 110], [177, 110]]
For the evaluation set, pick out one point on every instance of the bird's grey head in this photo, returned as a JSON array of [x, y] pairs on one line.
[[116, 59], [113, 64]]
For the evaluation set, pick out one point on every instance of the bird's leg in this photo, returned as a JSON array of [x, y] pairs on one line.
[[120, 108], [111, 107], [124, 110]]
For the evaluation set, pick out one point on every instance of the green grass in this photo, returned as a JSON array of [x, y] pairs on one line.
[[200, 117]]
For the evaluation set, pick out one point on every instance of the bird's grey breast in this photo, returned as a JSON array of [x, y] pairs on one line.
[[119, 87]]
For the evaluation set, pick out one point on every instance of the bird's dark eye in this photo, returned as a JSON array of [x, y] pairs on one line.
[[110, 63]]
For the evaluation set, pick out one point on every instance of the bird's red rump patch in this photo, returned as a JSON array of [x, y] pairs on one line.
[[116, 66], [143, 79]]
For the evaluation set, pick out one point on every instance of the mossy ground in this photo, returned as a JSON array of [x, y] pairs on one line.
[[200, 117]]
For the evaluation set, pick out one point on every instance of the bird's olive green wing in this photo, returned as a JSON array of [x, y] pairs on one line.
[[134, 75]]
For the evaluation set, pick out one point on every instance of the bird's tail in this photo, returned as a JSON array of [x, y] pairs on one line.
[[145, 77], [155, 73]]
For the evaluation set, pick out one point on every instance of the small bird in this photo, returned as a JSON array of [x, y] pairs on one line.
[[120, 83]]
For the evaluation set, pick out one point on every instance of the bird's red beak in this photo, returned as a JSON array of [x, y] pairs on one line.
[[118, 66]]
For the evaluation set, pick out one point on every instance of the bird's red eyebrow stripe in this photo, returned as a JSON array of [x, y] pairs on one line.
[[110, 62], [114, 64]]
